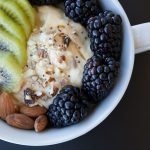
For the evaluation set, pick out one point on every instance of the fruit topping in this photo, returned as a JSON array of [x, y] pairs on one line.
[[14, 11], [10, 73], [105, 33], [8, 24], [81, 10], [99, 77], [69, 107], [28, 10], [44, 2], [12, 44], [62, 73]]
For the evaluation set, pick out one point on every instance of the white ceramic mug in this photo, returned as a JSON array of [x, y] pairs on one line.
[[135, 40]]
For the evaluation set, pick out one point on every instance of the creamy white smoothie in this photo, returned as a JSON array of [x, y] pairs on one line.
[[57, 49]]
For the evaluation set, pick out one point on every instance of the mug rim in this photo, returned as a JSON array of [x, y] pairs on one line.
[[109, 110]]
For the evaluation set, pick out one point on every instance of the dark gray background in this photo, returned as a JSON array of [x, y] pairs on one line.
[[128, 127]]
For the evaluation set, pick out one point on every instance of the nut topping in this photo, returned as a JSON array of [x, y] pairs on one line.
[[20, 121], [40, 123], [6, 105], [34, 111]]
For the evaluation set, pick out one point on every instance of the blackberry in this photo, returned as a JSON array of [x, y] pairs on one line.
[[81, 10], [105, 33], [99, 76], [44, 2], [69, 107]]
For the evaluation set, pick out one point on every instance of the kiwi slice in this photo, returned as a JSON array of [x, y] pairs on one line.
[[9, 25], [14, 11], [10, 43], [10, 73], [28, 9]]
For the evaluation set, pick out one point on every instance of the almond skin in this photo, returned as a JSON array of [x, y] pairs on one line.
[[17, 108], [20, 121], [34, 111], [6, 105], [40, 123]]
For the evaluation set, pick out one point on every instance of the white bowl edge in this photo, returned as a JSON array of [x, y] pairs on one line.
[[55, 136]]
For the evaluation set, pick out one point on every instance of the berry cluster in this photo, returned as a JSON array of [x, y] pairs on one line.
[[105, 33], [81, 10], [44, 2], [104, 29], [99, 76], [69, 107]]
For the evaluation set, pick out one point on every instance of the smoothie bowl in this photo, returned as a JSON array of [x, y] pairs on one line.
[[63, 67]]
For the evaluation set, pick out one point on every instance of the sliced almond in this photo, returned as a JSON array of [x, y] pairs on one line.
[[34, 111], [40, 123], [20, 121], [6, 105]]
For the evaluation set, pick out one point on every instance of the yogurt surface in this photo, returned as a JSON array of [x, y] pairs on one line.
[[57, 52]]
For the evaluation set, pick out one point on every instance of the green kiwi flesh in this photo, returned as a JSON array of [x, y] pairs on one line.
[[14, 11], [28, 9], [13, 28], [10, 73], [12, 44]]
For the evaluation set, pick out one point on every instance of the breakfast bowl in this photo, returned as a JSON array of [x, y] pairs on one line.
[[132, 44]]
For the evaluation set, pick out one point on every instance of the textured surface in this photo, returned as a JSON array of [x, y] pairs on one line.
[[128, 127], [99, 76], [44, 2], [69, 107], [81, 10], [105, 33]]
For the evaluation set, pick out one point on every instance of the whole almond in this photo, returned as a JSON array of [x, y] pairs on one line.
[[34, 111], [17, 108], [20, 121], [6, 105], [40, 123]]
